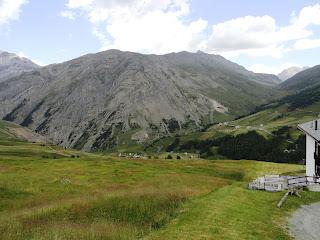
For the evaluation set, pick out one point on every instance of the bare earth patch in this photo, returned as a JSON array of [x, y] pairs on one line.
[[26, 134]]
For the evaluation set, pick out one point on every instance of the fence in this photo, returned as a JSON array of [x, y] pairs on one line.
[[276, 183], [302, 181]]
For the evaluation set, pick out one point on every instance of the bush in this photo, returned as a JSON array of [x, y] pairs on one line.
[[173, 145], [169, 157]]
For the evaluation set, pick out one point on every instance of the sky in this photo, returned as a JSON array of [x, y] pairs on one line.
[[263, 36]]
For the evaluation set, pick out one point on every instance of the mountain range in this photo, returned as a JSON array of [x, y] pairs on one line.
[[98, 100]]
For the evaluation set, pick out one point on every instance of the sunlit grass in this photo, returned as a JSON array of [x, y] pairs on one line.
[[48, 193]]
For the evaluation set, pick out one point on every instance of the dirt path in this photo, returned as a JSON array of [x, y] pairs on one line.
[[305, 222]]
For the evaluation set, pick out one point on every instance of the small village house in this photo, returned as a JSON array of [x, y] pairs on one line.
[[312, 131], [312, 175]]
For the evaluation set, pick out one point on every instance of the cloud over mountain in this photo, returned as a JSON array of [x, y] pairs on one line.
[[166, 26]]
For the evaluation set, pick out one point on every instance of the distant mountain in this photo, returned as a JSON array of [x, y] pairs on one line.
[[309, 78], [100, 100], [303, 89], [13, 65], [290, 72]]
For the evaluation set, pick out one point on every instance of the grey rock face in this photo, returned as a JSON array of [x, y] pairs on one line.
[[88, 102], [290, 72], [13, 65]]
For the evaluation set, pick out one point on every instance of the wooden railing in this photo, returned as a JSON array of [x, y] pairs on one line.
[[302, 181]]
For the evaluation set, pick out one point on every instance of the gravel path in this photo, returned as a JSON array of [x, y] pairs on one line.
[[305, 223]]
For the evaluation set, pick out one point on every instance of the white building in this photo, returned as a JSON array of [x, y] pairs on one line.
[[312, 131]]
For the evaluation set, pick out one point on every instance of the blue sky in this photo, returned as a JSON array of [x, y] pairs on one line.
[[264, 36]]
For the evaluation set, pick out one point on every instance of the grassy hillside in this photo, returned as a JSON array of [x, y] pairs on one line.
[[285, 113], [273, 118], [47, 192]]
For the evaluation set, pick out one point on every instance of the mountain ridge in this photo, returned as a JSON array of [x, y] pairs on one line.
[[90, 101]]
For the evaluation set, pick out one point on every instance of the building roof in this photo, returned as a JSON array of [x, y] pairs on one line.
[[309, 128]]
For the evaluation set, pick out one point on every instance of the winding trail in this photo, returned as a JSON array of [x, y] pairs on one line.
[[305, 222]]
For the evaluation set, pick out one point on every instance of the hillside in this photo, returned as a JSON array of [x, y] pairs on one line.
[[94, 101], [14, 132], [271, 128], [275, 125], [302, 90], [290, 72], [12, 65], [304, 80], [47, 192], [301, 103]]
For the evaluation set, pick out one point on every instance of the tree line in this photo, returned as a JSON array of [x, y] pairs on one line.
[[252, 146]]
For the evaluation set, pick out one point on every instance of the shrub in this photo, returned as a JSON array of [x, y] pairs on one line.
[[173, 145]]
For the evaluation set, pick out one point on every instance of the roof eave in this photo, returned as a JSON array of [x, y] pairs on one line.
[[301, 129]]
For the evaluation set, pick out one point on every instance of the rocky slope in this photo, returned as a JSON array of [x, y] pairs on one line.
[[13, 65], [89, 102], [309, 78], [290, 72]]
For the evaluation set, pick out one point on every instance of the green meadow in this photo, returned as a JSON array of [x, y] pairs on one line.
[[47, 192]]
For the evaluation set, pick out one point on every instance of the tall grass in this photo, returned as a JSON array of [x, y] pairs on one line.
[[120, 217]]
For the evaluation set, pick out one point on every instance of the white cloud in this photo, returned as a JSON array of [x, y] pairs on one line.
[[307, 44], [10, 10], [162, 26], [68, 14], [78, 3], [262, 68], [22, 55], [143, 26], [241, 34], [274, 51], [309, 15], [254, 36]]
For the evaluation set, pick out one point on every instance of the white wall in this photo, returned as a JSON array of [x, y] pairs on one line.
[[310, 162]]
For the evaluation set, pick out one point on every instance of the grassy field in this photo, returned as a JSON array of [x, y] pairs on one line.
[[47, 192]]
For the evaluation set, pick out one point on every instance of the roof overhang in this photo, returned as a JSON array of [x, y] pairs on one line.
[[308, 129]]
